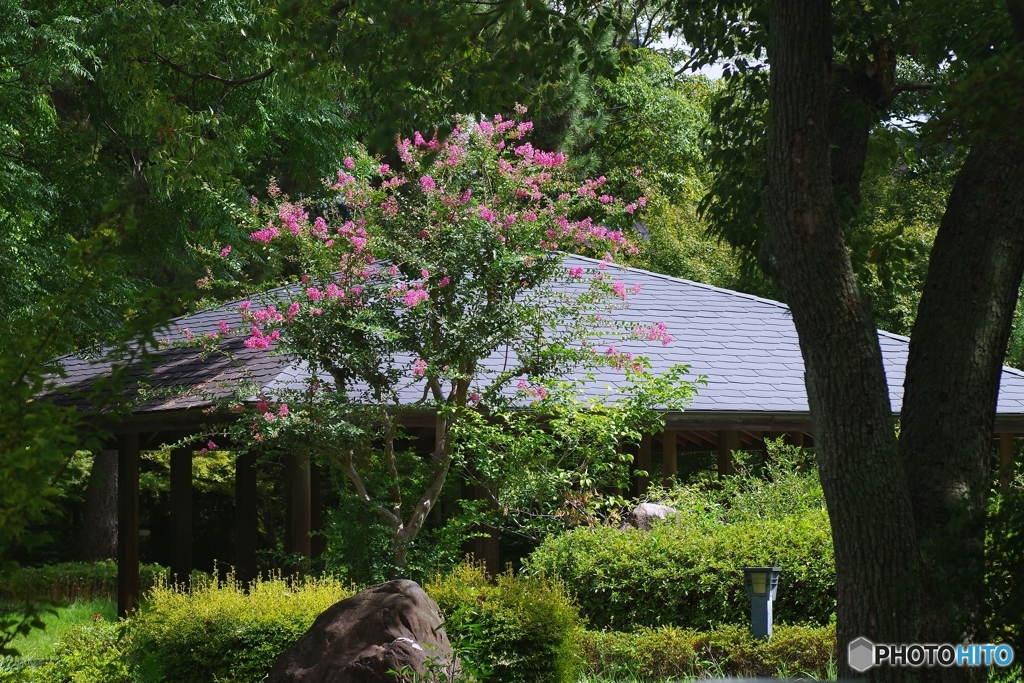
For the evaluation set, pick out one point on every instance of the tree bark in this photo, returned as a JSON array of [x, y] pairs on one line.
[[97, 538], [865, 488], [956, 354]]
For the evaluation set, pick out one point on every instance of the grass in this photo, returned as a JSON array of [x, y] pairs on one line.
[[39, 643]]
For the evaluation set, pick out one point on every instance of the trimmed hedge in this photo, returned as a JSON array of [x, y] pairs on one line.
[[691, 575], [219, 633], [674, 653], [518, 629], [71, 581]]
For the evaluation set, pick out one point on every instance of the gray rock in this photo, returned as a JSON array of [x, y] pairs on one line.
[[644, 514], [392, 626]]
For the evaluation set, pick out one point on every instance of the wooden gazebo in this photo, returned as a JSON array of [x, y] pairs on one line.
[[747, 347]]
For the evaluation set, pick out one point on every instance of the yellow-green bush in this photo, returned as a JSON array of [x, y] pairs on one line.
[[218, 632], [90, 653], [518, 629], [729, 650]]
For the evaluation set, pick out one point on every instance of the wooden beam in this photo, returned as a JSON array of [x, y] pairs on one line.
[[642, 462], [318, 542], [728, 441], [181, 515], [669, 462], [1006, 453], [127, 524], [299, 519], [246, 521]]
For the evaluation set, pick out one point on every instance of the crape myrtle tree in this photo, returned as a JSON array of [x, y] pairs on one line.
[[907, 509], [408, 280]]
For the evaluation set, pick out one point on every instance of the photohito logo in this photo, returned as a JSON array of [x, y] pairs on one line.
[[863, 654]]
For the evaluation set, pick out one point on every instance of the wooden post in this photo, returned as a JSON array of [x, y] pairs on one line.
[[300, 521], [318, 543], [728, 441], [181, 515], [246, 521], [127, 524], [642, 463], [669, 462], [1006, 453]]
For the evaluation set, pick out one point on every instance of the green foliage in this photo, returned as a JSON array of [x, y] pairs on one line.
[[90, 653], [71, 581], [691, 576], [687, 572], [1004, 559], [40, 644], [219, 632], [668, 652], [517, 629]]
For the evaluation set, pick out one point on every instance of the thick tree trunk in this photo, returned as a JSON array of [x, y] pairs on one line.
[[97, 538], [956, 354], [869, 504]]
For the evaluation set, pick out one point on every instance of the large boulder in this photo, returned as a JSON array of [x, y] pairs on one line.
[[644, 515], [394, 626]]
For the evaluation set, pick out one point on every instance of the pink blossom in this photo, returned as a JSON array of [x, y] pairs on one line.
[[266, 235], [393, 270], [637, 287], [424, 273], [637, 172], [474, 397], [606, 199], [244, 306], [576, 271], [642, 201], [293, 311], [260, 341], [487, 214], [414, 297], [349, 163], [314, 294], [282, 410], [188, 334], [225, 251], [619, 288], [262, 406], [427, 184], [223, 326], [210, 445], [269, 417], [523, 385], [630, 208], [333, 292], [419, 368], [445, 281], [383, 169]]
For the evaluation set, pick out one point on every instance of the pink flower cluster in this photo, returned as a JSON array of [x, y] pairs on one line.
[[258, 340], [656, 332], [419, 368]]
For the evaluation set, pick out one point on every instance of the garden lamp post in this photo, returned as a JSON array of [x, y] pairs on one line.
[[761, 583]]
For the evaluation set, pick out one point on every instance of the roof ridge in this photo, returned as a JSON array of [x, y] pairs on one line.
[[702, 285]]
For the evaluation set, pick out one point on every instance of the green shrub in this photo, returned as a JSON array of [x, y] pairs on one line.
[[519, 629], [218, 632], [674, 653], [72, 581], [691, 575], [87, 653]]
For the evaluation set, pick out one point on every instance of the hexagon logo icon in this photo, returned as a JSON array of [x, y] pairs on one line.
[[861, 654]]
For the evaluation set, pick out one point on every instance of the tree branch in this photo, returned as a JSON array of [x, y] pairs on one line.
[[213, 77], [911, 87]]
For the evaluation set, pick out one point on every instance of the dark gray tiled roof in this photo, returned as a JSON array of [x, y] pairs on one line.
[[746, 346]]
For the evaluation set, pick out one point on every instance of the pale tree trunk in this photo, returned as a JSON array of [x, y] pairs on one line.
[[97, 537], [865, 488]]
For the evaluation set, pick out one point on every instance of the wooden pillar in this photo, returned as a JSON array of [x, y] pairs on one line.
[[316, 509], [642, 463], [669, 462], [127, 524], [1006, 453], [181, 515], [728, 441], [246, 522], [299, 520]]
